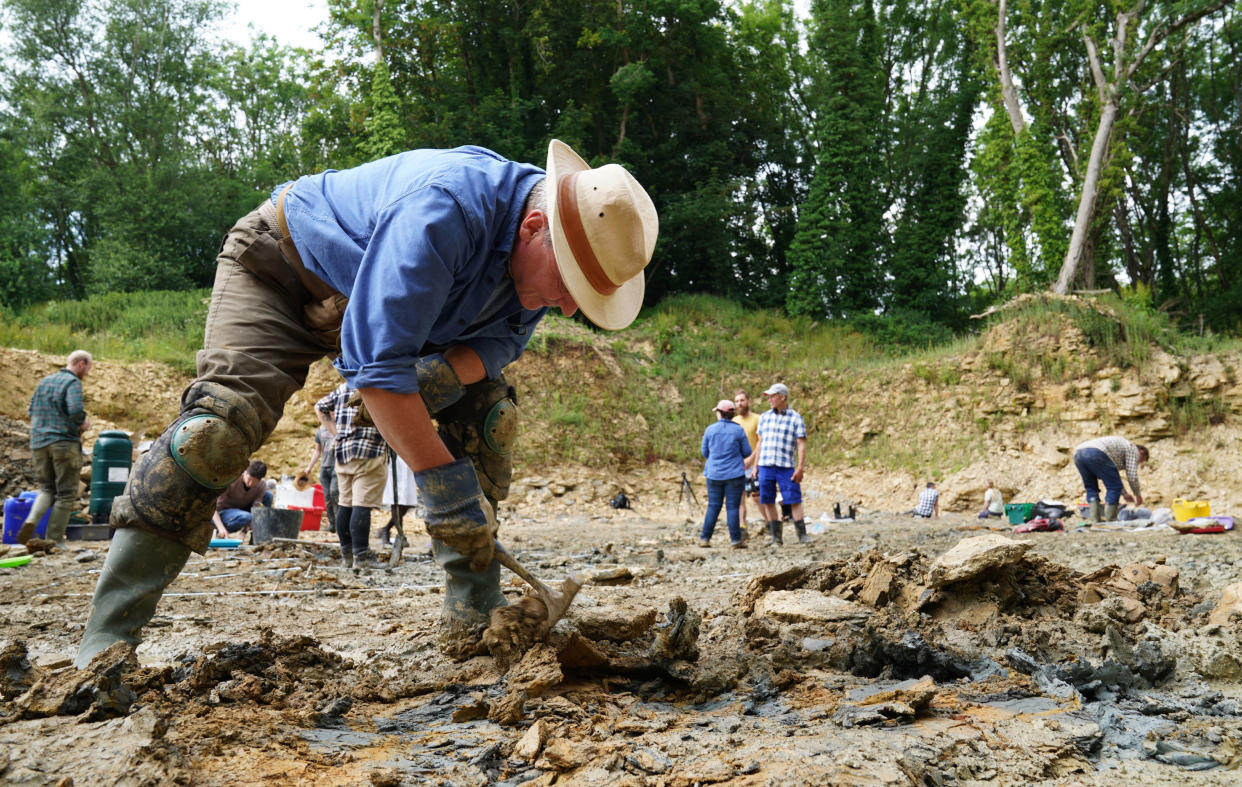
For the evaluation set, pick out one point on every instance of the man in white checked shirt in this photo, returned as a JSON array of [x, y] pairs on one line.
[[780, 455]]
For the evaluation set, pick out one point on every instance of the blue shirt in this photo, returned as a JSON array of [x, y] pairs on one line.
[[725, 447], [779, 431], [419, 242]]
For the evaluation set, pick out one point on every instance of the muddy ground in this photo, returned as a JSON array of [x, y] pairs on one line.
[[878, 654]]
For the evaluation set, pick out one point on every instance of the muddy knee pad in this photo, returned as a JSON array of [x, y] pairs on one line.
[[174, 487], [483, 426]]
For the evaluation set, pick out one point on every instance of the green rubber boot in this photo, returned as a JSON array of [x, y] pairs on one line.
[[469, 598], [1110, 512], [140, 565], [1093, 511]]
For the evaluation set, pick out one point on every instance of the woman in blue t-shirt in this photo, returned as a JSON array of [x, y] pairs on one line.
[[725, 448]]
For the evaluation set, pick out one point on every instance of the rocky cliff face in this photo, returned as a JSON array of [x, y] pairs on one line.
[[1013, 406]]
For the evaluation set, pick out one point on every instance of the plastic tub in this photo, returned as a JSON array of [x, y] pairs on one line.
[[312, 518], [1018, 512], [88, 532], [268, 523], [15, 511], [1185, 510]]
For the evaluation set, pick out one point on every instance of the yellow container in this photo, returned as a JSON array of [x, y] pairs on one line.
[[1184, 510]]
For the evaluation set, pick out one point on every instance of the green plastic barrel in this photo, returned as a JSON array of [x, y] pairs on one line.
[[110, 463]]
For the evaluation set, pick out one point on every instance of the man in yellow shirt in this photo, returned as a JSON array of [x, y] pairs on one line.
[[749, 421]]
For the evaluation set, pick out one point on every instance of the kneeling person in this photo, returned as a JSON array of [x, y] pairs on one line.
[[233, 505]]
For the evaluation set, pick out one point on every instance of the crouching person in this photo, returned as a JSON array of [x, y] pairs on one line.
[[233, 514], [425, 273]]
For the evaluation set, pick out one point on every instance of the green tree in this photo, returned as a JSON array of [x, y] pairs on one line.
[[841, 234], [132, 117], [24, 274], [772, 86], [661, 88]]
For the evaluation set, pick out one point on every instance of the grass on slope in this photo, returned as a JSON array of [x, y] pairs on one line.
[[161, 326], [677, 360]]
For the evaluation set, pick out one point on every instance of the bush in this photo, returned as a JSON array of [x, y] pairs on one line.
[[163, 326], [903, 331]]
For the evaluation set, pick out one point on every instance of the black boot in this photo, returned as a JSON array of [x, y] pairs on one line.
[[774, 533], [343, 515], [800, 527], [360, 534]]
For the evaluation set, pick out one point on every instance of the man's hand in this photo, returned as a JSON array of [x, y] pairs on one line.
[[797, 476], [457, 512]]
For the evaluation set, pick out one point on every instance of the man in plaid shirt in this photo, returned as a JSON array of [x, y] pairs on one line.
[[361, 468], [780, 455], [57, 421], [1101, 459]]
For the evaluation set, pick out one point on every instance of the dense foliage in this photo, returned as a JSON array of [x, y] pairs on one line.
[[897, 163]]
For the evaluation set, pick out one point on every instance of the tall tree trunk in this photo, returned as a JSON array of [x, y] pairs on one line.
[[1009, 94], [377, 31], [1110, 98], [1087, 199], [1122, 214]]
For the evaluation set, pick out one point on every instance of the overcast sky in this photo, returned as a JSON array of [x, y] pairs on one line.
[[290, 21]]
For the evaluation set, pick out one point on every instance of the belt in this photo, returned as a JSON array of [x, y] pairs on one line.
[[317, 287]]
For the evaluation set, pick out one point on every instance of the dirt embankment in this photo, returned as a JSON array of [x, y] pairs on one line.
[[875, 436]]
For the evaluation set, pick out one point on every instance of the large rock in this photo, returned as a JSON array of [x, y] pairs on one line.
[[1164, 367], [1133, 399], [1208, 374], [615, 623], [529, 746], [973, 556], [808, 606], [1230, 602]]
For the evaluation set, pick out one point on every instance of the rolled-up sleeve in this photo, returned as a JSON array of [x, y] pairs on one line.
[[501, 345], [405, 278]]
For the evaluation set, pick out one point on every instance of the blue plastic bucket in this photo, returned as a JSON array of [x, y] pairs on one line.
[[15, 511]]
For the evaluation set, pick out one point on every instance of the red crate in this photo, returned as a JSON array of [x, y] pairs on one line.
[[311, 517]]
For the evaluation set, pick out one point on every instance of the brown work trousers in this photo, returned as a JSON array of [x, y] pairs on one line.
[[263, 330], [58, 467]]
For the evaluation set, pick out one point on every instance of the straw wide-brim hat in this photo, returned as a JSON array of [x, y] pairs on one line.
[[604, 228]]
